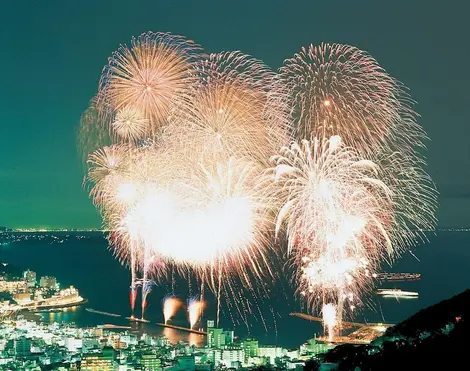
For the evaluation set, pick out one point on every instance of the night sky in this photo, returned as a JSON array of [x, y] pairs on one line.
[[52, 53]]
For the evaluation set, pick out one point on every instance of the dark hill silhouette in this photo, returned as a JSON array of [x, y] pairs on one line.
[[435, 338]]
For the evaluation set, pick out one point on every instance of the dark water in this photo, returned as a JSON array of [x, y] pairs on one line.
[[87, 264]]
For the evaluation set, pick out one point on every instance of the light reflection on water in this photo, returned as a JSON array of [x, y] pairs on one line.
[[175, 336], [69, 315]]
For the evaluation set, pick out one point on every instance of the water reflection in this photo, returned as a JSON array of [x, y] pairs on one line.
[[64, 315], [82, 318], [175, 336]]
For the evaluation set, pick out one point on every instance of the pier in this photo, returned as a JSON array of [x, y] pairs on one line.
[[102, 313], [179, 328], [135, 319], [116, 327]]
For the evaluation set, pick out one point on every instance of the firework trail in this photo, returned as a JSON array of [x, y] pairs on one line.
[[170, 307], [337, 215], [329, 319], [140, 83], [147, 283], [195, 308], [229, 124]]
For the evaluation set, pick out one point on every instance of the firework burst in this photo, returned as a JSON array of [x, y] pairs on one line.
[[235, 109], [180, 142], [336, 89], [146, 77], [130, 124], [341, 90], [337, 214]]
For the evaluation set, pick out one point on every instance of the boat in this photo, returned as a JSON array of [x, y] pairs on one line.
[[52, 310], [397, 293], [397, 276]]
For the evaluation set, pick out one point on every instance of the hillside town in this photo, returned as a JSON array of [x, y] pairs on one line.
[[28, 345]]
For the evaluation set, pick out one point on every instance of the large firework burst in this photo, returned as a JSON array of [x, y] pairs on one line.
[[337, 214], [235, 109], [145, 78], [341, 90], [337, 89], [181, 143]]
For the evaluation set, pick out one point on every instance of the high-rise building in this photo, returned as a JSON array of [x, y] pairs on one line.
[[250, 346], [229, 336], [30, 278], [215, 337], [210, 323], [48, 282]]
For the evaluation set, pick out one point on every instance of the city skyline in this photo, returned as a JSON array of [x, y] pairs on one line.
[[41, 101]]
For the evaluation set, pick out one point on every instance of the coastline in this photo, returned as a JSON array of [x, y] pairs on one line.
[[61, 306]]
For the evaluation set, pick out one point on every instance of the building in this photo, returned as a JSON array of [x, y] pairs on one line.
[[30, 278], [89, 344], [313, 347], [150, 361], [270, 352], [210, 323], [250, 347], [12, 287], [233, 356], [22, 347], [215, 337], [186, 363], [292, 353], [72, 344], [103, 361], [229, 335], [48, 282]]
